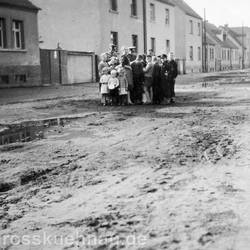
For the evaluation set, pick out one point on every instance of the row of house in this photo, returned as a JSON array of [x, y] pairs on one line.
[[29, 28], [92, 25], [224, 48]]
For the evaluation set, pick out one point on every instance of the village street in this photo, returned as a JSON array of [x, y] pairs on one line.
[[135, 177]]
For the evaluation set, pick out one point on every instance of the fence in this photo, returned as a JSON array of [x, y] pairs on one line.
[[67, 67]]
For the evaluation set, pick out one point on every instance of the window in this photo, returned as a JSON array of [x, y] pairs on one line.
[[152, 12], [20, 78], [224, 54], [114, 38], [191, 53], [224, 36], [134, 8], [135, 42], [211, 54], [18, 34], [228, 55], [236, 55], [167, 46], [191, 27], [113, 5], [199, 53], [4, 79], [167, 21], [2, 33], [199, 29], [153, 44]]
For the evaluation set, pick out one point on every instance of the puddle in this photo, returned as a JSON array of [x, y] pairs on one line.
[[21, 134], [27, 131]]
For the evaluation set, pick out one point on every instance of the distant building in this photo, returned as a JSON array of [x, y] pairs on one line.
[[242, 34], [160, 16], [19, 46], [161, 26], [237, 48], [209, 55], [221, 49], [91, 25], [188, 36]]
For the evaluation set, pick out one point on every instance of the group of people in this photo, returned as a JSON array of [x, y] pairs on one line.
[[137, 79]]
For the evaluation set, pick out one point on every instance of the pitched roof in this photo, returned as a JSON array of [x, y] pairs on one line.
[[209, 41], [186, 8], [238, 30], [212, 27], [213, 31], [236, 36], [166, 2], [21, 4], [228, 44]]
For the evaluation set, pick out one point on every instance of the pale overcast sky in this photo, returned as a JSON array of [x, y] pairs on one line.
[[222, 12]]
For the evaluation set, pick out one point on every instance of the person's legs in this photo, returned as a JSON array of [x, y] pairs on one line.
[[151, 94], [129, 98], [103, 99], [138, 92], [172, 100], [125, 99]]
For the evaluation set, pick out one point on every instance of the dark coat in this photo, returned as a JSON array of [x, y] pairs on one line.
[[131, 57], [172, 74], [156, 74], [157, 92], [138, 77], [172, 70], [165, 80], [138, 73]]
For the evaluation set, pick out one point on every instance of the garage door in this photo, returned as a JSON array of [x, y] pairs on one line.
[[80, 68]]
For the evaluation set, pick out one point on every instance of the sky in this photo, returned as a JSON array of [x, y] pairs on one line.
[[220, 12]]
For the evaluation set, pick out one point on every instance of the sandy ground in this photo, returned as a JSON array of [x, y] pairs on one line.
[[139, 177]]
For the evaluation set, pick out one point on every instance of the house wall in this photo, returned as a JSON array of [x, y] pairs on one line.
[[180, 34], [121, 22], [26, 62], [218, 57], [194, 40], [211, 61], [225, 62], [235, 59], [86, 25], [238, 30], [75, 24], [158, 28], [247, 44]]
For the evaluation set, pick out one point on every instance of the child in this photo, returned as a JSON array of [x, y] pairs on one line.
[[123, 90], [113, 85], [104, 86]]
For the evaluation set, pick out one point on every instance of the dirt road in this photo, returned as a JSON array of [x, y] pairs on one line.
[[140, 177]]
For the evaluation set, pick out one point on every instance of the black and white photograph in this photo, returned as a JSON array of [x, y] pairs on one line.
[[124, 124]]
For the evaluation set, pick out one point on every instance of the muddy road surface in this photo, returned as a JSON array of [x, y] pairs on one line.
[[139, 177]]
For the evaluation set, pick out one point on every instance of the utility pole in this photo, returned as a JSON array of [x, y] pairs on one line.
[[145, 25], [205, 42], [243, 47]]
